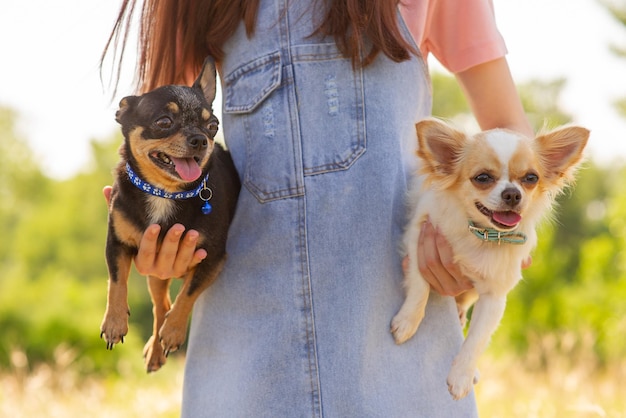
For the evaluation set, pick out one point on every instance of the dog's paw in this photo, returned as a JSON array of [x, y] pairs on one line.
[[461, 380], [403, 327], [113, 329], [172, 336], [153, 355]]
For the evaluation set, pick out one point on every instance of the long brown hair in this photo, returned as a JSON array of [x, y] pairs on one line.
[[175, 36]]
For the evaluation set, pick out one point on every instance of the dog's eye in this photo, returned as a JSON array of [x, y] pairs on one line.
[[164, 123], [483, 178], [530, 178], [212, 127]]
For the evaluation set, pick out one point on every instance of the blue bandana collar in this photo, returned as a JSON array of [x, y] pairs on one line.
[[202, 190]]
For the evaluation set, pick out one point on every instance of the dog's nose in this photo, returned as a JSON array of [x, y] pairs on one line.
[[197, 141], [511, 196]]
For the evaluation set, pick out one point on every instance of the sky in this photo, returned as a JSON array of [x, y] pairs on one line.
[[50, 51]]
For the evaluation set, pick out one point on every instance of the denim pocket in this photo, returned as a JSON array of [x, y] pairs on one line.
[[300, 119], [256, 112], [250, 84], [331, 108]]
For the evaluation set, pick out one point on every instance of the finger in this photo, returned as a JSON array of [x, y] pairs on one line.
[[427, 256], [187, 256], [146, 255], [198, 256], [437, 264], [455, 281], [166, 257], [106, 191]]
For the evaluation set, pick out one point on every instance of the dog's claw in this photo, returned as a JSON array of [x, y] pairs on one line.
[[153, 355], [461, 380], [114, 328], [168, 350], [110, 342], [403, 327]]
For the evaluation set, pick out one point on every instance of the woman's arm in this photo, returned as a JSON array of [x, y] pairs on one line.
[[493, 97]]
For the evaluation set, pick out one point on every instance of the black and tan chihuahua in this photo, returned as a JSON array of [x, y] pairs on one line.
[[171, 171]]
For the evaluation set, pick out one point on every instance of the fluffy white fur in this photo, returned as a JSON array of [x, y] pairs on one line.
[[497, 179]]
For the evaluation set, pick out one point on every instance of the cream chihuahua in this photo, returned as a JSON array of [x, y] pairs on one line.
[[485, 194]]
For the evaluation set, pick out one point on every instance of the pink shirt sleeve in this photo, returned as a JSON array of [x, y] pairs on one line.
[[460, 34]]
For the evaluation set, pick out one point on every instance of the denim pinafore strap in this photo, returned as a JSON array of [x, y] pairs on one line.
[[297, 325]]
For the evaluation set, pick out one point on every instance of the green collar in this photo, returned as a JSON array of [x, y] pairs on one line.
[[493, 235]]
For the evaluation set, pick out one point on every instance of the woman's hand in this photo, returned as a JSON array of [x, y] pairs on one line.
[[436, 263], [175, 256]]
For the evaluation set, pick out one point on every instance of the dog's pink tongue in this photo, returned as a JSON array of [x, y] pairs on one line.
[[508, 218], [187, 168]]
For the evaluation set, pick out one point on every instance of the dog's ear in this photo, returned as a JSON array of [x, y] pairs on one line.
[[560, 151], [124, 106], [206, 80], [440, 147]]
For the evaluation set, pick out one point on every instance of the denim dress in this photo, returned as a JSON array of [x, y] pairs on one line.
[[297, 325]]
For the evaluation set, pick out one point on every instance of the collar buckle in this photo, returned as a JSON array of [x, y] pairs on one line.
[[493, 235]]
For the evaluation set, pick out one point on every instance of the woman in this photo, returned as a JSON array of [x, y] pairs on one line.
[[320, 99]]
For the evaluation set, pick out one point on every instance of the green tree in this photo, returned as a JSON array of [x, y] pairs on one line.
[[23, 187], [53, 285], [540, 101], [448, 99]]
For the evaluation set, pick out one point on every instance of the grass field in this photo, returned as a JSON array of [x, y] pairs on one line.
[[506, 390], [57, 390]]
